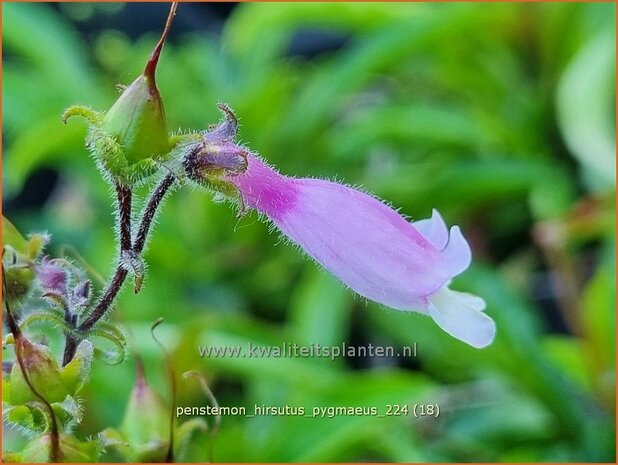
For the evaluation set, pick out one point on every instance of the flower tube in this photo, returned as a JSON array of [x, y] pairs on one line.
[[372, 248], [365, 243]]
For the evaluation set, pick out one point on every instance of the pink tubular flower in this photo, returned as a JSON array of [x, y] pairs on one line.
[[371, 248]]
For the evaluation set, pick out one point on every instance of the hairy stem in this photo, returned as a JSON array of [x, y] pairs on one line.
[[101, 308], [70, 347], [124, 216], [106, 299], [124, 194], [150, 211], [113, 288]]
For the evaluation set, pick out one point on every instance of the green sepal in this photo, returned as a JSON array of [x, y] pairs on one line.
[[111, 437], [180, 141], [137, 121], [76, 372], [94, 117], [33, 417], [29, 419], [220, 186], [36, 244], [45, 374], [19, 279], [18, 255], [68, 412], [143, 169], [108, 153]]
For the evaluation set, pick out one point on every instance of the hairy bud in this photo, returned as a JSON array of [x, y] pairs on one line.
[[131, 139]]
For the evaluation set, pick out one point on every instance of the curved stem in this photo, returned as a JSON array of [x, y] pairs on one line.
[[55, 454], [106, 299], [113, 288], [150, 211], [101, 308], [124, 215]]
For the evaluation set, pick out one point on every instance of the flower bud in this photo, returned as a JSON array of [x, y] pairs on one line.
[[137, 121], [146, 424], [44, 373], [52, 277], [19, 273], [18, 255], [132, 136]]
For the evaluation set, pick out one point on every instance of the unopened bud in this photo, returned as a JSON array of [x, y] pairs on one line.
[[18, 255], [131, 137], [137, 121], [44, 373], [52, 277], [145, 426]]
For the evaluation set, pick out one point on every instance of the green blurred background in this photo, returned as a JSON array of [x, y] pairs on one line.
[[501, 116]]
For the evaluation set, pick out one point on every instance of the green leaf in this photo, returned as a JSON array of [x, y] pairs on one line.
[[434, 125], [46, 141], [297, 371], [11, 236], [586, 112], [338, 436], [320, 309], [77, 371], [68, 412], [43, 373], [599, 325]]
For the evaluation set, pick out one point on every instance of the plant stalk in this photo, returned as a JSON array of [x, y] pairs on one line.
[[113, 288]]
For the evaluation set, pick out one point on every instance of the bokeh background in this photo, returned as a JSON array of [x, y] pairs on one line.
[[501, 116]]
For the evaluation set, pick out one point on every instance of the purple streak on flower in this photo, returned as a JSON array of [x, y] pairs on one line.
[[371, 247], [52, 277]]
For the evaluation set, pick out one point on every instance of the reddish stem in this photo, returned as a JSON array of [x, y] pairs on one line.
[[55, 454], [151, 66]]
